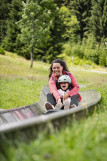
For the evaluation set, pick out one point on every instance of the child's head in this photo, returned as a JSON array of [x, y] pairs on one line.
[[64, 82]]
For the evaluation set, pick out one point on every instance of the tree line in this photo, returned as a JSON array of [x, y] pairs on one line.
[[44, 29]]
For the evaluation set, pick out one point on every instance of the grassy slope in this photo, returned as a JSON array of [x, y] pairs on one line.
[[19, 84], [86, 140]]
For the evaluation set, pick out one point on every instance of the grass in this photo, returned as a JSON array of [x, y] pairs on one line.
[[19, 92], [19, 84], [85, 140], [15, 66]]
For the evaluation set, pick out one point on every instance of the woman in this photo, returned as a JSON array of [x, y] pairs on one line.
[[58, 67]]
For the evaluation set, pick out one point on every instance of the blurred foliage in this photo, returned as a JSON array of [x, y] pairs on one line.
[[87, 49], [79, 27], [2, 52]]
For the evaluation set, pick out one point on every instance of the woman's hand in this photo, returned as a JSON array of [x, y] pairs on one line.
[[66, 95]]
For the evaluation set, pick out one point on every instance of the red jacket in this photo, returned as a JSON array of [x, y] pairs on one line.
[[53, 88]]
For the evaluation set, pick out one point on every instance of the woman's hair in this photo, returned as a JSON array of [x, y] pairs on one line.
[[61, 62]]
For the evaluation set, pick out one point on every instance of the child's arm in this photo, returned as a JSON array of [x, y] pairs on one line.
[[75, 88]]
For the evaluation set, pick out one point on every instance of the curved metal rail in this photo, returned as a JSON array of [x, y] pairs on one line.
[[27, 121]]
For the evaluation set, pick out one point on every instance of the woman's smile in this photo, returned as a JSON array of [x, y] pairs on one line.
[[57, 69]]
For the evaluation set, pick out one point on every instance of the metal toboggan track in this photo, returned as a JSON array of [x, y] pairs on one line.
[[27, 122]]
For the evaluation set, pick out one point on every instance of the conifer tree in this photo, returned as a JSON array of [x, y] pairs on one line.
[[98, 23], [10, 40], [55, 44], [4, 10], [81, 8]]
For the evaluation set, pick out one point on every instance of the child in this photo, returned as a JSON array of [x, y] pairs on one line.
[[65, 85]]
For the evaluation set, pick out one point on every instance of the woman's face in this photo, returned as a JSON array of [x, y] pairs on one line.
[[57, 69]]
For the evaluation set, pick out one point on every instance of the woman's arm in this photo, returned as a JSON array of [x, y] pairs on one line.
[[75, 88], [53, 89]]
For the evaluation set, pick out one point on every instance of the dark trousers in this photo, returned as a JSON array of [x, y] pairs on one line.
[[51, 99]]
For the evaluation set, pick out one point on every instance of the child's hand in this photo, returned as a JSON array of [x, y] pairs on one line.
[[66, 95], [59, 100]]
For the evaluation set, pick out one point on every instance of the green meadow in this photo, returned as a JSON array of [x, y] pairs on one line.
[[84, 140], [19, 84]]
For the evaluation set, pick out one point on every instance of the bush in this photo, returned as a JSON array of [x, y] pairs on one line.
[[73, 49], [88, 49], [103, 59], [76, 61], [92, 54], [67, 49], [2, 52]]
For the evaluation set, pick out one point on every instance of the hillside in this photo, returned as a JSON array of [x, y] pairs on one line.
[[85, 140], [21, 85]]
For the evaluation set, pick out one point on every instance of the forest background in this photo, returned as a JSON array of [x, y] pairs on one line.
[[49, 29]]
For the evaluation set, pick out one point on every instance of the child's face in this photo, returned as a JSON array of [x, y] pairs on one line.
[[64, 85]]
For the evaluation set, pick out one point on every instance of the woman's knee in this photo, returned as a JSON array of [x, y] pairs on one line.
[[51, 99], [75, 100]]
